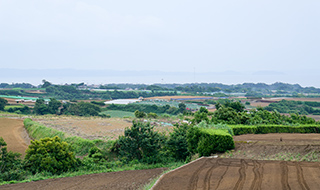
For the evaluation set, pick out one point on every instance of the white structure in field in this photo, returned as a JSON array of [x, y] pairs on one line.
[[122, 101]]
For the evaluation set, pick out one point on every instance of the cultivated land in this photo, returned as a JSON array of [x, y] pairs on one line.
[[14, 134], [91, 127], [222, 173], [135, 179], [258, 162]]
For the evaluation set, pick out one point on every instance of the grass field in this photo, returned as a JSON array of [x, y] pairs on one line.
[[119, 114]]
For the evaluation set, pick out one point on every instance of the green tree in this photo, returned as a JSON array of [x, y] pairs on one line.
[[51, 155], [139, 114], [182, 107], [40, 107], [53, 106], [140, 142], [177, 143], [3, 103]]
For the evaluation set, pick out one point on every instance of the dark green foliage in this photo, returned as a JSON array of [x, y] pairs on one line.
[[139, 114], [285, 106], [140, 142], [193, 138], [213, 141], [40, 107], [50, 155], [24, 110], [97, 155], [10, 164], [152, 115], [177, 143], [208, 141], [145, 108], [81, 109], [264, 129], [3, 103], [200, 115], [53, 106], [98, 103]]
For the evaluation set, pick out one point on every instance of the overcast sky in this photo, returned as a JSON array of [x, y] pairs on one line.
[[179, 35]]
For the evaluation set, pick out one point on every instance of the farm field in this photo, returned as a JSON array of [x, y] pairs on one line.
[[91, 127], [119, 114], [14, 134], [258, 162], [113, 180], [222, 173]]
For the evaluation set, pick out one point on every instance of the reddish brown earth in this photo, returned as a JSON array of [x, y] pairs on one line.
[[14, 134], [114, 180], [223, 173]]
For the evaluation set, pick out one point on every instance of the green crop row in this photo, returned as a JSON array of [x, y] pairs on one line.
[[264, 129]]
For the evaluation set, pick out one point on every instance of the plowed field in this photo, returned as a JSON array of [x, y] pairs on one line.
[[14, 134], [113, 181], [222, 173]]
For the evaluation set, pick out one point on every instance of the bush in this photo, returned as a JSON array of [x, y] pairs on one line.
[[264, 129], [208, 141], [152, 115], [139, 114], [10, 164], [213, 141], [50, 155]]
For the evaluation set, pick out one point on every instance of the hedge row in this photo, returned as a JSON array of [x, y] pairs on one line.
[[208, 141], [80, 146], [264, 129]]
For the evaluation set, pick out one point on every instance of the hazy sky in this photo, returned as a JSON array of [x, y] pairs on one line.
[[179, 35]]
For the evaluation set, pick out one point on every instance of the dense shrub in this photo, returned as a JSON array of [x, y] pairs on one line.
[[139, 114], [50, 155], [10, 164], [208, 141], [264, 129]]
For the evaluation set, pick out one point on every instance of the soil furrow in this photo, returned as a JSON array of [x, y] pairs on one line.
[[300, 177], [242, 177]]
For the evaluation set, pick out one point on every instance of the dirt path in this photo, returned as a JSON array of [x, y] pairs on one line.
[[113, 180], [222, 173], [14, 134]]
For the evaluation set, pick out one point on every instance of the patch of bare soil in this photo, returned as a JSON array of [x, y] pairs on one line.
[[87, 127], [278, 146], [94, 127], [114, 180], [14, 134], [222, 173]]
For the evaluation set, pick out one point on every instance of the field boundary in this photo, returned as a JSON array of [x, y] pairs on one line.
[[163, 175]]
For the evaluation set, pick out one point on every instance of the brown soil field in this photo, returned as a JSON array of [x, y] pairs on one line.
[[222, 173], [14, 134], [260, 161], [114, 180], [278, 146], [91, 127]]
